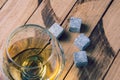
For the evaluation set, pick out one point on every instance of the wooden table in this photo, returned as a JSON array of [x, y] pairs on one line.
[[101, 23]]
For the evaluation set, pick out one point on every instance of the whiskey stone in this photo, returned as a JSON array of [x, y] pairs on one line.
[[56, 30], [80, 59], [82, 42], [75, 24]]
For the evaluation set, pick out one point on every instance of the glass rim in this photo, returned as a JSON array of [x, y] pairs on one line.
[[30, 25]]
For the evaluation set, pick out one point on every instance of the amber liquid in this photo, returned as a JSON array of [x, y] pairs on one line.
[[35, 61]]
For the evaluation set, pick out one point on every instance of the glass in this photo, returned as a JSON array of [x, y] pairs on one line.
[[32, 53]]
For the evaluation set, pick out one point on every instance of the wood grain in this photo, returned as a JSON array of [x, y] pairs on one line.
[[90, 12], [100, 56], [48, 12], [38, 16], [114, 72], [52, 14], [14, 14], [2, 2], [104, 45], [51, 11], [111, 23]]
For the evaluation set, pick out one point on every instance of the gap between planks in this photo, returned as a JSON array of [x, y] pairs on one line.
[[32, 21], [112, 70], [2, 3], [51, 11], [38, 17], [115, 47], [69, 49], [15, 14]]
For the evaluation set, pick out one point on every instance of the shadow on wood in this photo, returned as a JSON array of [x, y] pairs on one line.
[[39, 2], [83, 1], [84, 28], [48, 14], [65, 36], [100, 55]]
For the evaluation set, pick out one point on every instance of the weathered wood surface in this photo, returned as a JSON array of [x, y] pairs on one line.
[[112, 29], [104, 45], [51, 11], [102, 51], [45, 13], [14, 14], [90, 12], [2, 2], [114, 72], [111, 24]]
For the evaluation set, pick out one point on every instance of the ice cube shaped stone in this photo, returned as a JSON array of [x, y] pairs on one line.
[[56, 30], [80, 58], [75, 24], [82, 41]]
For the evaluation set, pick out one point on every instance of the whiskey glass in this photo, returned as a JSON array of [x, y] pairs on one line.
[[32, 53]]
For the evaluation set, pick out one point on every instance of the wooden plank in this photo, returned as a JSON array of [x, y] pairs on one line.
[[15, 13], [56, 13], [106, 24], [90, 12], [112, 29], [112, 25], [2, 2], [114, 72], [48, 12], [51, 11]]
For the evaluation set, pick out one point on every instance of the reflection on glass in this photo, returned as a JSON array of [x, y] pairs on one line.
[[32, 53]]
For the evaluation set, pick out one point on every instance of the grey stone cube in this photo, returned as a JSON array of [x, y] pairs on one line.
[[75, 24], [82, 41], [56, 30], [80, 58]]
